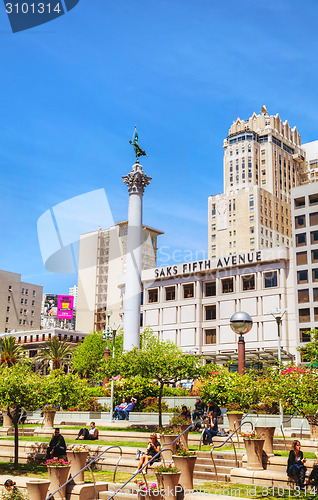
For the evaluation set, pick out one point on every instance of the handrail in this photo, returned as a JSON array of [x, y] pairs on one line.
[[301, 427], [88, 465], [225, 441], [282, 427], [152, 459]]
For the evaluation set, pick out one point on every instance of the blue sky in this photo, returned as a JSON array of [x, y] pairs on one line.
[[73, 90]]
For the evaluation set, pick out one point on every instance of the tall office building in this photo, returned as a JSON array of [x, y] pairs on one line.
[[263, 161], [20, 303], [102, 261], [73, 292]]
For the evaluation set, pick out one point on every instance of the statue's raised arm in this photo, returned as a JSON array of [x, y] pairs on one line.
[[138, 151]]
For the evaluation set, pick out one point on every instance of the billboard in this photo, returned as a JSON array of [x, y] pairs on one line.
[[50, 306], [65, 306]]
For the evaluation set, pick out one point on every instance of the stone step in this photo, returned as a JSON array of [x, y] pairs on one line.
[[210, 476]]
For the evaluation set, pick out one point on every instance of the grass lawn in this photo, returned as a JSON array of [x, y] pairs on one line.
[[40, 439]]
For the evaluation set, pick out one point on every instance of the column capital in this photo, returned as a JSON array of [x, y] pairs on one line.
[[136, 180]]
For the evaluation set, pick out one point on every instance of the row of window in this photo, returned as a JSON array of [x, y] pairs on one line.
[[301, 257], [248, 282], [300, 220], [301, 202], [304, 315], [302, 276], [210, 335], [23, 301], [301, 238], [36, 338]]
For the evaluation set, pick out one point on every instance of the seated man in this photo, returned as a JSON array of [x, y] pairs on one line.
[[122, 406], [199, 408], [211, 430], [91, 434], [127, 410], [57, 446]]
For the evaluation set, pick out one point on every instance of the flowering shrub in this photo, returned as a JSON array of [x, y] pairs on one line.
[[51, 407], [57, 462], [180, 421], [166, 468], [151, 405], [251, 435], [147, 487], [183, 452], [77, 448], [167, 431]]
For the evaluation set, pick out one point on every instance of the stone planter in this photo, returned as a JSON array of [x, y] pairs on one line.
[[37, 488], [49, 419], [7, 422], [184, 438], [78, 461], [58, 476], [267, 433], [313, 431], [169, 482], [254, 453], [232, 417], [166, 439], [186, 466]]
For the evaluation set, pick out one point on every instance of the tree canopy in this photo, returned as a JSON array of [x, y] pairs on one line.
[[55, 351], [11, 352], [162, 361]]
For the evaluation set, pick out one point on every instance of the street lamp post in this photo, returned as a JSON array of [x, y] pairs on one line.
[[278, 315], [112, 382], [241, 323], [106, 334]]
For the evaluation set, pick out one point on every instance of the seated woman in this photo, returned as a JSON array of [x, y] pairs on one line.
[[123, 405], [211, 430], [152, 449], [295, 465], [91, 434], [185, 413]]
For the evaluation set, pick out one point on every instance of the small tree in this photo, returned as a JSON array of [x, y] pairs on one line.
[[11, 352], [162, 361], [309, 352], [54, 351]]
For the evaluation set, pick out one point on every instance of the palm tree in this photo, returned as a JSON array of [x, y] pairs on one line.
[[54, 351], [11, 352]]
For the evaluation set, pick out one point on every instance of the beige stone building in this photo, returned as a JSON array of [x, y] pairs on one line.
[[263, 161], [102, 261], [20, 303]]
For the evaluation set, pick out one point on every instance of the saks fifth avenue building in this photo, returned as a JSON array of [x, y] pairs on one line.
[[192, 303]]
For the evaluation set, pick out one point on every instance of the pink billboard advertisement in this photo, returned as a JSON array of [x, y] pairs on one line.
[[65, 306]]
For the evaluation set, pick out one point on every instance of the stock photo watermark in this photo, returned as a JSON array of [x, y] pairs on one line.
[[27, 14]]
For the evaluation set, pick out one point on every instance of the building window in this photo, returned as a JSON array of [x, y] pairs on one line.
[[314, 237], [33, 302], [270, 279], [300, 240], [7, 320], [24, 322], [8, 309], [20, 321], [303, 295], [210, 312], [315, 275], [299, 202], [170, 293], [252, 218], [248, 282], [252, 241], [31, 324], [188, 291], [252, 230], [210, 336], [302, 276], [314, 256], [313, 218], [316, 313], [10, 288], [304, 335], [304, 315], [22, 301], [26, 291], [210, 289], [301, 258], [22, 291], [32, 313], [313, 199], [300, 221], [315, 294], [153, 295], [26, 301], [227, 285]]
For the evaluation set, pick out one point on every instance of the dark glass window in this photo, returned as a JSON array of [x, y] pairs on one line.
[[188, 291], [153, 295], [210, 336], [300, 239], [210, 312], [270, 279], [313, 237], [227, 285], [299, 202], [315, 275], [314, 256], [171, 293], [315, 294], [302, 276], [304, 335], [300, 221], [248, 282], [210, 289], [313, 199], [304, 315], [301, 258], [303, 295], [313, 218]]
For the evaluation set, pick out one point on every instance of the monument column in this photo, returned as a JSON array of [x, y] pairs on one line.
[[136, 181]]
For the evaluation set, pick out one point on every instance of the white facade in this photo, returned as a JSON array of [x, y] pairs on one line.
[[73, 292], [191, 304]]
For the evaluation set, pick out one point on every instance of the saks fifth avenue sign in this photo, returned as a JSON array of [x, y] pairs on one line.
[[209, 264]]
